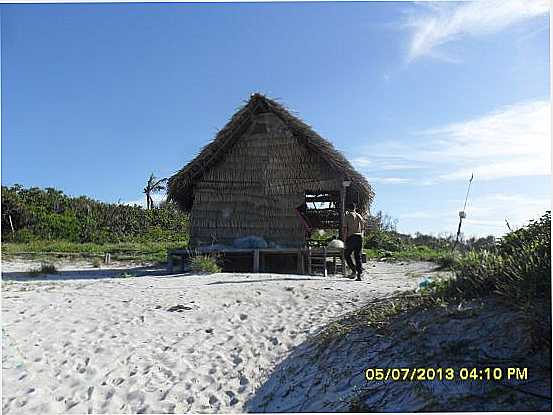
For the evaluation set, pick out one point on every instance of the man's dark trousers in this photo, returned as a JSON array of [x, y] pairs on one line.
[[354, 244]]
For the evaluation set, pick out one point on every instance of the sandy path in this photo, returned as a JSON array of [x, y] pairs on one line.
[[110, 345]]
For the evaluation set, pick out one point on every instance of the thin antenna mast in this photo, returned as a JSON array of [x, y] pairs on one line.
[[462, 214]]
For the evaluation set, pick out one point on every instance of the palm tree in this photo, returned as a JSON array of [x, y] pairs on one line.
[[154, 185]]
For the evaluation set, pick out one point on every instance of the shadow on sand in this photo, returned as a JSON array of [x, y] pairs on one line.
[[87, 274], [326, 373], [265, 280]]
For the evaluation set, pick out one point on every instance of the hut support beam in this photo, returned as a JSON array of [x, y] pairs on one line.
[[256, 260]]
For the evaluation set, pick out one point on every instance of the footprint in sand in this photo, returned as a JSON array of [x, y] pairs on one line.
[[118, 381], [232, 397], [21, 402], [70, 404]]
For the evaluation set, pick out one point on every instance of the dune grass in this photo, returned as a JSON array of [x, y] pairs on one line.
[[444, 257], [205, 263], [44, 269]]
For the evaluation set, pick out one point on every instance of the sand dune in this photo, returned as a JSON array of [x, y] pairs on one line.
[[202, 343]]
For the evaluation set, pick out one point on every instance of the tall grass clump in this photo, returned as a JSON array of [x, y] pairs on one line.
[[44, 269], [205, 263]]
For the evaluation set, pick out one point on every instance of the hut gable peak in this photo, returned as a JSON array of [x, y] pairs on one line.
[[258, 107]]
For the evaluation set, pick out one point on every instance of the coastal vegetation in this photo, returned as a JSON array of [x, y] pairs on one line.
[[514, 271], [38, 221]]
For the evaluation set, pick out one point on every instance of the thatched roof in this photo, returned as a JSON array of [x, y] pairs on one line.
[[181, 185]]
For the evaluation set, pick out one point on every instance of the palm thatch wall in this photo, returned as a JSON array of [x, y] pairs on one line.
[[250, 179]]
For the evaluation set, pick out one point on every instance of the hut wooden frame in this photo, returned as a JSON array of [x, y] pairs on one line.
[[259, 168]]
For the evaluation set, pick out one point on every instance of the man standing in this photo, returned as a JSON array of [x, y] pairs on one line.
[[353, 227]]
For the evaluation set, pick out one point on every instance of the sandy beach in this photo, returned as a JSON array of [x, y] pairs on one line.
[[88, 341]]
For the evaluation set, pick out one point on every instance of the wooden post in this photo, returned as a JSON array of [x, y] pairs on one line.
[[301, 269], [169, 262], [324, 263], [182, 262], [344, 265], [256, 260], [309, 264]]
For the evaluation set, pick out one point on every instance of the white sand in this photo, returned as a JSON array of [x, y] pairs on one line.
[[83, 343]]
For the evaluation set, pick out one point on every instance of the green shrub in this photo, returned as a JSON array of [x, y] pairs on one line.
[[384, 240], [205, 263], [448, 260]]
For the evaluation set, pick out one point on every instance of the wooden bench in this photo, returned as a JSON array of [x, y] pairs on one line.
[[258, 256]]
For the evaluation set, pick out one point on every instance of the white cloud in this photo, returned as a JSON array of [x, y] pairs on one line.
[[513, 141], [445, 22]]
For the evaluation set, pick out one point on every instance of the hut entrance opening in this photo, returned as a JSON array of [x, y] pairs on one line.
[[320, 210]]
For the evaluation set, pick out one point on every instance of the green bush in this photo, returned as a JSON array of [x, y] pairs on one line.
[[22, 235], [383, 240], [205, 263]]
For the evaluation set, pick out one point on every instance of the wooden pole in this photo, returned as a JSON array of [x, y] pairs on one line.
[[342, 212]]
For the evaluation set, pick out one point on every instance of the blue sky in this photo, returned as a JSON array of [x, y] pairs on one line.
[[417, 95]]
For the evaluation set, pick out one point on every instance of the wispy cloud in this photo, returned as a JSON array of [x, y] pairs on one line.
[[437, 23], [513, 141]]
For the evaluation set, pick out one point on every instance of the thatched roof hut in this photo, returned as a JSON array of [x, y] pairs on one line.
[[256, 175]]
